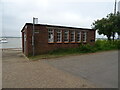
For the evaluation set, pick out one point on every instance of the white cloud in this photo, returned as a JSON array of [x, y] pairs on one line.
[[78, 13], [78, 1]]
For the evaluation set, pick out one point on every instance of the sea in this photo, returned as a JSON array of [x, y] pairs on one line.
[[13, 42]]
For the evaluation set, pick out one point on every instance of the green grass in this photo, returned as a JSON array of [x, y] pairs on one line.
[[100, 45], [103, 45]]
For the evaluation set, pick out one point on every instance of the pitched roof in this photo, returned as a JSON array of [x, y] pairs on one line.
[[56, 26]]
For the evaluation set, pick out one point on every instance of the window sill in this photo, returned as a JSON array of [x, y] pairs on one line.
[[72, 42], [66, 42], [51, 42], [84, 42], [78, 42], [58, 42]]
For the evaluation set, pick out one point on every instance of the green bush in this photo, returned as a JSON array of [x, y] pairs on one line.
[[107, 45], [86, 48], [100, 45]]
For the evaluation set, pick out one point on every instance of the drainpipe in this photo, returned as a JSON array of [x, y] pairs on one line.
[[33, 36]]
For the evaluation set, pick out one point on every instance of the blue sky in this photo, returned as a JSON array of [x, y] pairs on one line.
[[77, 13]]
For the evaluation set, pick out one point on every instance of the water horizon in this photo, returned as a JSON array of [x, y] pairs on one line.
[[13, 42]]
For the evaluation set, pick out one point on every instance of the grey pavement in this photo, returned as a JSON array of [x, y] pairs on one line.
[[99, 68], [19, 72]]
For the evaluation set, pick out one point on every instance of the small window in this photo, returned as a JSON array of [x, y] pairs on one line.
[[24, 36], [50, 35], [59, 35], [84, 36], [66, 36], [26, 27], [36, 31], [78, 36], [72, 36]]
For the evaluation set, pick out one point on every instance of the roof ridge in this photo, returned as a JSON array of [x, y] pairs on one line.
[[60, 26]]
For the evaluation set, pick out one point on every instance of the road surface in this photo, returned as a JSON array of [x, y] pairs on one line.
[[80, 71], [19, 72], [100, 68]]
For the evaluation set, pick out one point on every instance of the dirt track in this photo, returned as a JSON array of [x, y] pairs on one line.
[[19, 72]]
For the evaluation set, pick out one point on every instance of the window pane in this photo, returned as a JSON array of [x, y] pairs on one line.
[[50, 35], [72, 36], [59, 35], [66, 36], [78, 36], [84, 37]]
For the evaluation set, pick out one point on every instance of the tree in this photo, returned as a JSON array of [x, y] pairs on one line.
[[117, 22], [104, 27], [108, 26]]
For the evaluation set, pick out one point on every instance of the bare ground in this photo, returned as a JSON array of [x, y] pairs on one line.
[[19, 72]]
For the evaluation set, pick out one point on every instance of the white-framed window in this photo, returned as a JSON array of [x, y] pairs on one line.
[[36, 31], [72, 34], [26, 27], [84, 36], [50, 35], [78, 36], [24, 36], [59, 35], [66, 36]]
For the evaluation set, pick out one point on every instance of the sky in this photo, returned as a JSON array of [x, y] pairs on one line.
[[73, 13]]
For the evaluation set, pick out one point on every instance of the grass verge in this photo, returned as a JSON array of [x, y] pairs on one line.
[[100, 45]]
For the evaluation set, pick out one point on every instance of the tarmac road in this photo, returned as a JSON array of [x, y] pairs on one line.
[[99, 68], [19, 72]]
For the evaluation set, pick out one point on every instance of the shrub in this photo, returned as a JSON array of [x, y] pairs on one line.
[[86, 48], [100, 45], [107, 45]]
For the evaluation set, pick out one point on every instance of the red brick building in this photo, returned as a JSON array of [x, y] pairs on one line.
[[51, 37]]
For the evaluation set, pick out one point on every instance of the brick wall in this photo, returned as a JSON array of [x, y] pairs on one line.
[[41, 39]]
